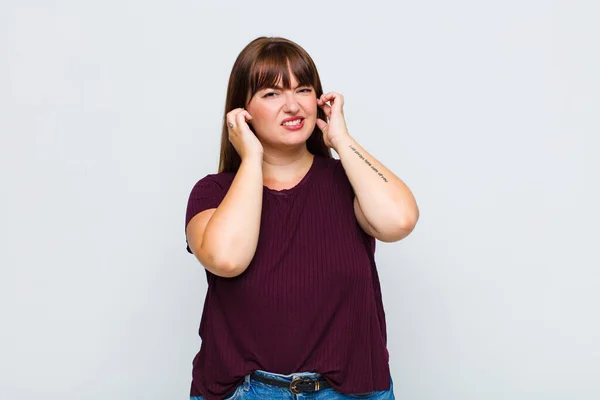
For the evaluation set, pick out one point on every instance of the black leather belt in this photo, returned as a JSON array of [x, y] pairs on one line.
[[297, 385]]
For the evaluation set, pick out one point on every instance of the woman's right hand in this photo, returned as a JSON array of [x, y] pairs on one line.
[[241, 137]]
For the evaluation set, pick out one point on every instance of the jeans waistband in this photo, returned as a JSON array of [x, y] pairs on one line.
[[289, 377]]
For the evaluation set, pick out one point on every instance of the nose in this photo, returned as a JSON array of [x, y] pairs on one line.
[[291, 104]]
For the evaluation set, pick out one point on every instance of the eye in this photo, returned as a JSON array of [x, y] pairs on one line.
[[269, 94], [307, 90]]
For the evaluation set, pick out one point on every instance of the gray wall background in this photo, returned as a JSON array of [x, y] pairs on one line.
[[110, 112]]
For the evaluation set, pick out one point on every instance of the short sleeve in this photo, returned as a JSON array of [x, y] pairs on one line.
[[341, 177], [207, 193], [348, 192]]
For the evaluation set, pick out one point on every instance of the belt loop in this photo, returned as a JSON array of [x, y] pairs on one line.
[[247, 382]]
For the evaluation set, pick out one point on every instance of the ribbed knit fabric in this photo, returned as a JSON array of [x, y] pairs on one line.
[[310, 300]]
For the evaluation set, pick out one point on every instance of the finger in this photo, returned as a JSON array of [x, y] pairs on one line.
[[326, 107], [323, 126], [234, 112], [240, 117], [231, 117], [334, 98], [237, 111], [328, 96], [229, 120]]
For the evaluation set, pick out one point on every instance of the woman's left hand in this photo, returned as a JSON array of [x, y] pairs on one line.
[[336, 129]]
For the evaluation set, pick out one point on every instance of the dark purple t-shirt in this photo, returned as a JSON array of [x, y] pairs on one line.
[[309, 301]]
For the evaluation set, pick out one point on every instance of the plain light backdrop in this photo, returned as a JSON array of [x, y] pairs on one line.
[[110, 112]]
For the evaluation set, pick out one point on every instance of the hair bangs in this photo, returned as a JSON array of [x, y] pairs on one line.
[[273, 69]]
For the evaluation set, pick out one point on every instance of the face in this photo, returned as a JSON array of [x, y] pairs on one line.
[[271, 106]]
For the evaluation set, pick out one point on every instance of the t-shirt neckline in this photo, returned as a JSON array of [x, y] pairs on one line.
[[291, 190]]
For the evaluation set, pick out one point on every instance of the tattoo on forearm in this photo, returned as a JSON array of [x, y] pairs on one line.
[[368, 163]]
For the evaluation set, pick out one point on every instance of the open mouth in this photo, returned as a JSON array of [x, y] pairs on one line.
[[294, 125], [294, 122]]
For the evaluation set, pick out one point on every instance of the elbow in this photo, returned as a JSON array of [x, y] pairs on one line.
[[222, 266], [227, 270], [228, 267], [397, 234], [393, 235], [398, 231], [407, 226], [402, 224], [409, 222]]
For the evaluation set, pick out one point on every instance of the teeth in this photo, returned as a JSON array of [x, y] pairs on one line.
[[295, 122]]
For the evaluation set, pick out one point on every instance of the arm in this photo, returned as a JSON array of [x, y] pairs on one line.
[[231, 235], [384, 206]]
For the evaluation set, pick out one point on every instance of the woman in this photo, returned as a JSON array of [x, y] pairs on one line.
[[286, 234]]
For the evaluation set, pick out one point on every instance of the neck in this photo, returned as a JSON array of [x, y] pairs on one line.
[[284, 168]]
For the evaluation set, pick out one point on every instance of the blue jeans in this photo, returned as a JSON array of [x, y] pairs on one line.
[[251, 389]]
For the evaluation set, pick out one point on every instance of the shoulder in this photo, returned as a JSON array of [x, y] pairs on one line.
[[207, 193], [217, 181], [334, 167], [330, 164], [332, 171]]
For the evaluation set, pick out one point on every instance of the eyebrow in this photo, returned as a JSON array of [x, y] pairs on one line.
[[280, 88]]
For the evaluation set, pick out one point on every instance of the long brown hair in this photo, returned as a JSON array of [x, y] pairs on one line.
[[260, 65]]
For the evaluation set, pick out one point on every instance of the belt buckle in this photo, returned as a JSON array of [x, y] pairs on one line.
[[295, 381]]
